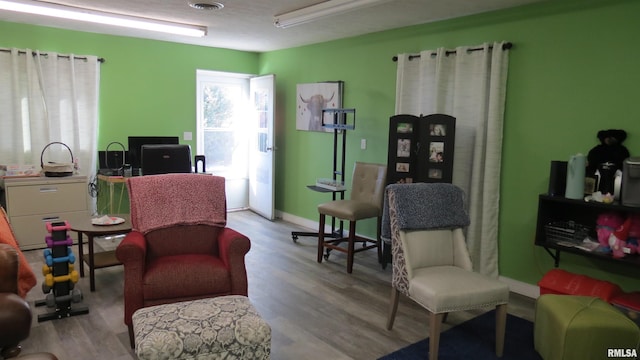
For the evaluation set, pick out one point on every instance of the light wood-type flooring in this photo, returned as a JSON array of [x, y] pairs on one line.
[[316, 311]]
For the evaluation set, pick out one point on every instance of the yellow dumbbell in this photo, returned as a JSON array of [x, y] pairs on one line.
[[48, 280], [74, 276]]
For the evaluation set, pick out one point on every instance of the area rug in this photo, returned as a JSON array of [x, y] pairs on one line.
[[475, 339]]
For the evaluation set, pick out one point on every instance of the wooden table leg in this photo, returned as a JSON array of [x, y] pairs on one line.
[[111, 185], [80, 254], [92, 280]]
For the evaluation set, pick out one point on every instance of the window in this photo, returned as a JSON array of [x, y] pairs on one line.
[[222, 121]]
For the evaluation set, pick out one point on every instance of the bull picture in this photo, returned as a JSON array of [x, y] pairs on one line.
[[315, 104], [311, 100]]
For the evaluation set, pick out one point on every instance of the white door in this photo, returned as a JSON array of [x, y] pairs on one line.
[[223, 120], [262, 146]]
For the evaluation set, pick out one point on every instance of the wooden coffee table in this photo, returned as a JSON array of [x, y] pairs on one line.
[[83, 226]]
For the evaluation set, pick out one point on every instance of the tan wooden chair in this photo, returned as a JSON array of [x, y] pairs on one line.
[[367, 190]]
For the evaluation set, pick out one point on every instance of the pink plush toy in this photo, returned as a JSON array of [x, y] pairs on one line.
[[618, 239], [607, 223], [634, 234]]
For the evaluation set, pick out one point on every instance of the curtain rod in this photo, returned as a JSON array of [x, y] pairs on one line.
[[59, 55], [505, 46]]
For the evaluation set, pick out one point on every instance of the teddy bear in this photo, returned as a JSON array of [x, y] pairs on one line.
[[610, 149]]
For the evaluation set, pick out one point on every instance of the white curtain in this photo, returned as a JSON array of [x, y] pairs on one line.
[[468, 83], [46, 98]]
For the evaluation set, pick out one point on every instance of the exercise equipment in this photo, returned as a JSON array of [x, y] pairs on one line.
[[60, 275]]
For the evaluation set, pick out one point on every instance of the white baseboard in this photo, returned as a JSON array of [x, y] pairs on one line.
[[297, 220], [522, 288], [516, 286], [312, 225]]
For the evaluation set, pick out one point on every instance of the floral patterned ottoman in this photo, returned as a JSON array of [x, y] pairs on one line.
[[226, 327]]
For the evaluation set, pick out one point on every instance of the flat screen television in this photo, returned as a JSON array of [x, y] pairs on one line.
[[165, 159], [136, 142]]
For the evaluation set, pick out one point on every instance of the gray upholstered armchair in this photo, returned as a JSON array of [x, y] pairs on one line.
[[431, 263]]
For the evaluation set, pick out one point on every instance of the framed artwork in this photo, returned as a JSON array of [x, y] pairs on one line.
[[402, 167], [311, 99], [404, 148], [436, 151], [435, 174], [439, 151], [404, 128], [421, 148], [437, 129]]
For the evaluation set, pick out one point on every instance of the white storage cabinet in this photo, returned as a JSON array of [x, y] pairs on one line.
[[33, 201]]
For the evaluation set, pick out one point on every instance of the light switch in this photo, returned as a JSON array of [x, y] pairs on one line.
[[187, 136], [363, 144]]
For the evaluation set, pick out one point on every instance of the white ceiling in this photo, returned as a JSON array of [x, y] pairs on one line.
[[248, 24]]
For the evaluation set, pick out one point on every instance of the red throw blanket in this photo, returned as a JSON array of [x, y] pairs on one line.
[[26, 278], [161, 201]]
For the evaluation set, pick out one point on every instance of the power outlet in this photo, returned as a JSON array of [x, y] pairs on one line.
[[363, 144]]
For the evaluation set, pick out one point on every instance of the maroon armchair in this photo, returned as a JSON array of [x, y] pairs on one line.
[[180, 248]]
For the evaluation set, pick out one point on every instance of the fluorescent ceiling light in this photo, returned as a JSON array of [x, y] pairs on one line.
[[71, 13], [317, 11]]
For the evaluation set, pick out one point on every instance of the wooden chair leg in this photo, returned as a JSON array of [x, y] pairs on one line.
[[435, 322], [501, 325], [321, 237], [351, 246], [393, 307], [386, 254], [379, 239]]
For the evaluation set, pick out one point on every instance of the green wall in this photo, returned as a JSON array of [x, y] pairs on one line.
[[573, 71]]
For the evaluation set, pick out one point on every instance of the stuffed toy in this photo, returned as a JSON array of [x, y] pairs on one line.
[[610, 149], [606, 224], [619, 240], [634, 234]]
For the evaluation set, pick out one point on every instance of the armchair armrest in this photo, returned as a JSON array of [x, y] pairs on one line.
[[15, 321], [131, 252], [232, 247], [8, 269], [132, 249]]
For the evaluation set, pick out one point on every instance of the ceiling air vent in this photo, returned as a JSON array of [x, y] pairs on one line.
[[206, 5]]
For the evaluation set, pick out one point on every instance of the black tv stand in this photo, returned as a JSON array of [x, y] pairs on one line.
[[335, 233], [340, 126]]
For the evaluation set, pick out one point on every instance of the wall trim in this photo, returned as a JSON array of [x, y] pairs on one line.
[[522, 288], [310, 224]]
